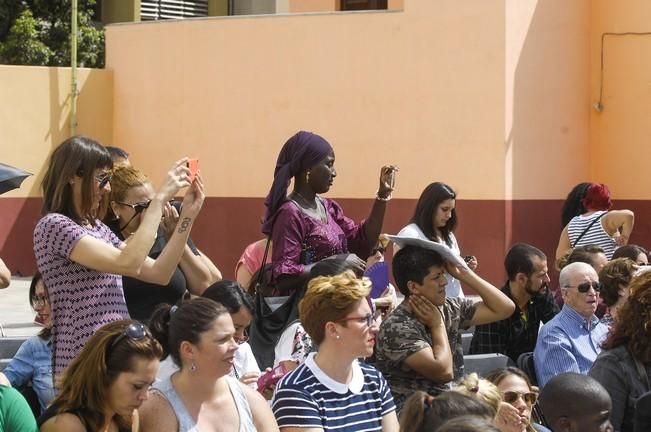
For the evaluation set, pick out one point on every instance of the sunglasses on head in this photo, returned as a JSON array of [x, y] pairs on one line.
[[134, 331], [585, 286], [511, 396]]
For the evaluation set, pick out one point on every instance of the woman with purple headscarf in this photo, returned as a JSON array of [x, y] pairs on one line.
[[306, 228]]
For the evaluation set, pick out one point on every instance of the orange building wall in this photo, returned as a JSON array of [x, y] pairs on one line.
[[491, 96], [34, 114]]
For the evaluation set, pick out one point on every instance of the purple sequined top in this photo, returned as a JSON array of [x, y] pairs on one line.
[[300, 239], [82, 299]]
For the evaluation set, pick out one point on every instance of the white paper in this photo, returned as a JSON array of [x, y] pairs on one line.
[[443, 249]]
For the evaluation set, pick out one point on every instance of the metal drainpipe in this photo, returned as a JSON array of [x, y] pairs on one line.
[[73, 70]]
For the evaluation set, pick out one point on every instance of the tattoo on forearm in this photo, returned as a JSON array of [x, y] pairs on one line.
[[185, 223]]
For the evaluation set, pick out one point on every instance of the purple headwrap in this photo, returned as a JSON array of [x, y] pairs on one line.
[[302, 151]]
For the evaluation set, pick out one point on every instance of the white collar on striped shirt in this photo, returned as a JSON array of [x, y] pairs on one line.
[[356, 383]]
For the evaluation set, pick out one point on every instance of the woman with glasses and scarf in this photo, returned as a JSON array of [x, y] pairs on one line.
[[82, 261], [103, 387], [200, 337], [32, 363], [131, 195], [332, 389]]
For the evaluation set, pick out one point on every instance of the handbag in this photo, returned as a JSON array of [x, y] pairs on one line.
[[273, 314]]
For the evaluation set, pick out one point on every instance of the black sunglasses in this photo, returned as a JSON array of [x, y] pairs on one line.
[[585, 286], [378, 249], [134, 331], [103, 179], [138, 207]]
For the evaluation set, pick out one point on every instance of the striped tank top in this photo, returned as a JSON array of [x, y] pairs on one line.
[[596, 235]]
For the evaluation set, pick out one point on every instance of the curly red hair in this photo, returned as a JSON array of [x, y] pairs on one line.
[[633, 326], [597, 197]]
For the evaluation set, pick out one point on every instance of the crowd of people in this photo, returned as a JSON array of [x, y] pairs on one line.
[[140, 332]]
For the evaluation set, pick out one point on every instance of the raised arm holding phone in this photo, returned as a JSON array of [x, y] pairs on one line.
[[81, 260]]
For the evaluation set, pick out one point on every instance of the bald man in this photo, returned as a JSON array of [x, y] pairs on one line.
[[573, 402], [571, 341]]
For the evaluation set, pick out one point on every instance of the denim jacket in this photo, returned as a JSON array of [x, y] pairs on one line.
[[33, 363]]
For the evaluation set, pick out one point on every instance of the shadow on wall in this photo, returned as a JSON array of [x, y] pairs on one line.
[[20, 214], [549, 136]]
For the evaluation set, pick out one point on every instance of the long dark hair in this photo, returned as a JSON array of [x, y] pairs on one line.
[[77, 156], [572, 206], [231, 295], [429, 201]]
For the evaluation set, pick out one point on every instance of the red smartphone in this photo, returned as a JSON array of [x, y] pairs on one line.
[[272, 377], [193, 165]]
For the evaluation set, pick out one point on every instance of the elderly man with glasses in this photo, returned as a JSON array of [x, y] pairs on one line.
[[572, 340]]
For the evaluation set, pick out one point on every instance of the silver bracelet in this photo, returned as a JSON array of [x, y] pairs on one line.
[[385, 199]]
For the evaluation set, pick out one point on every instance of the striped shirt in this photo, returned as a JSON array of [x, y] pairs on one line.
[[567, 343], [596, 235], [308, 398], [82, 299]]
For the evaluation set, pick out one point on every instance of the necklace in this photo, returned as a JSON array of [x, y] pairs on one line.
[[314, 208]]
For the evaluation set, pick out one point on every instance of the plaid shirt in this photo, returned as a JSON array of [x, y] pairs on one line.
[[514, 335]]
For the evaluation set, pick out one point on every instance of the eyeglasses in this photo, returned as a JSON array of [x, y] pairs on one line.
[[39, 301], [103, 179], [368, 319], [511, 396], [585, 286], [135, 332], [137, 207]]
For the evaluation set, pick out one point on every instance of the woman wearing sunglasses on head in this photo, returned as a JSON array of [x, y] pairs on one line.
[[103, 387], [519, 396], [32, 364], [200, 336], [131, 195], [332, 390], [80, 258]]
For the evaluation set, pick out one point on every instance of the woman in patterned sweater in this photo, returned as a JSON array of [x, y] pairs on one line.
[[80, 258]]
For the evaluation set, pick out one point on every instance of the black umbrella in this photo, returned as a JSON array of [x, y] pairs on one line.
[[11, 178]]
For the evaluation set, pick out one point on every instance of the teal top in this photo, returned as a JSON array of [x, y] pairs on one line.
[[15, 414]]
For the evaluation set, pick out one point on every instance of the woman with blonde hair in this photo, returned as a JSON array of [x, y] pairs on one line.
[[484, 390], [426, 413], [105, 384], [131, 195], [332, 389]]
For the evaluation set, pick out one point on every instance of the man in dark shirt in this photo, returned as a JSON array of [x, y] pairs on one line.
[[528, 287]]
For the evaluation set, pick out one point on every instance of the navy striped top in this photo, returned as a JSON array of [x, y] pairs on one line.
[[308, 398]]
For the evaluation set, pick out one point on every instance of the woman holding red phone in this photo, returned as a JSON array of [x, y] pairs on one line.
[[82, 261]]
